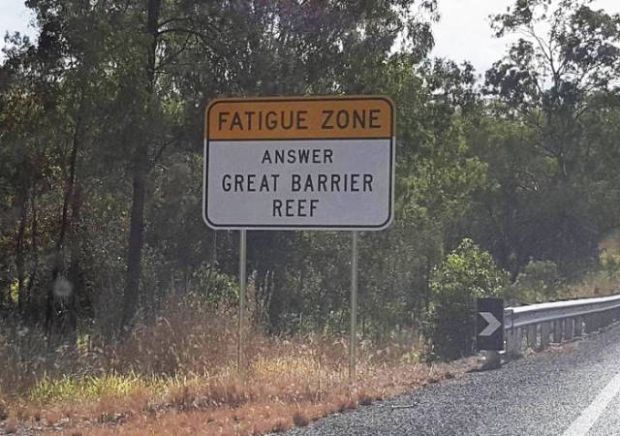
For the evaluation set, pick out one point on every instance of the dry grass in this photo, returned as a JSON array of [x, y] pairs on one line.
[[259, 408], [273, 396], [598, 284], [11, 426], [604, 280], [4, 410], [179, 377], [228, 404]]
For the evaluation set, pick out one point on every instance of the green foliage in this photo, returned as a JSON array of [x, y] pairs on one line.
[[465, 274], [610, 264], [556, 87], [213, 286], [524, 164], [77, 389], [539, 281]]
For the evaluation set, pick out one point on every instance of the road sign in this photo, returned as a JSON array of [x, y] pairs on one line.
[[323, 163], [490, 324]]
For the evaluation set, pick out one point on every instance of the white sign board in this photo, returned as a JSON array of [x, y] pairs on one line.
[[305, 163]]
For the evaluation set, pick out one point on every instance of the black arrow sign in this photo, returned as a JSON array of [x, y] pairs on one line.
[[490, 324]]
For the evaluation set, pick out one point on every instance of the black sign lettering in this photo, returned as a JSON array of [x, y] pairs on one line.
[[271, 120], [250, 182], [249, 115], [327, 123], [293, 208], [354, 178], [342, 119], [322, 182], [226, 185], [239, 182], [295, 182], [266, 157], [302, 120], [277, 208], [298, 156], [328, 155], [374, 119], [222, 118], [368, 182], [250, 185], [236, 122]]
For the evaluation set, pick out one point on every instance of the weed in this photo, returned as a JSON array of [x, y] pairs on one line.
[[10, 426], [364, 398], [178, 376], [300, 419], [4, 411], [281, 425]]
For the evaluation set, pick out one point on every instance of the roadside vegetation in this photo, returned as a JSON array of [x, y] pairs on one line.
[[117, 303], [179, 374]]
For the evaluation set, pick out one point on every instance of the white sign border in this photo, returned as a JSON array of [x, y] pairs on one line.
[[300, 227]]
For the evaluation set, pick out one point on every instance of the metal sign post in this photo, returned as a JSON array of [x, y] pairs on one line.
[[353, 339], [242, 283], [299, 163]]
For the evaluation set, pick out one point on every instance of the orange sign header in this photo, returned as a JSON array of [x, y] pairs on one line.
[[300, 118]]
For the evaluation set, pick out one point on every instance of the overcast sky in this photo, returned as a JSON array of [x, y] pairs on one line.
[[463, 32], [14, 16]]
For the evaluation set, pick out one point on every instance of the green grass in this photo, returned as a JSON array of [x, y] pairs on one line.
[[91, 387]]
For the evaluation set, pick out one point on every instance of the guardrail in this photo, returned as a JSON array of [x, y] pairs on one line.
[[537, 325]]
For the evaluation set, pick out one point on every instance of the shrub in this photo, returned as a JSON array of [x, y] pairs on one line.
[[4, 410], [465, 274], [610, 263], [539, 281]]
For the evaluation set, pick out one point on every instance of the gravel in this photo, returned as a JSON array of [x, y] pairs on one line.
[[538, 395]]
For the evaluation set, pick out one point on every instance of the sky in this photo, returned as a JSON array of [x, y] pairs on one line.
[[14, 16], [463, 33]]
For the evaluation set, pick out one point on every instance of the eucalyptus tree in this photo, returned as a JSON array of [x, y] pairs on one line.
[[51, 85], [289, 48], [557, 83]]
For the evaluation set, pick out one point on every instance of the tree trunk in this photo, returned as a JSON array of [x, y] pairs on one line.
[[60, 312], [70, 183], [140, 165], [75, 269], [20, 255], [29, 307]]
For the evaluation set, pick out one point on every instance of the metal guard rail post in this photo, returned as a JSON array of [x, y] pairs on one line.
[[537, 325]]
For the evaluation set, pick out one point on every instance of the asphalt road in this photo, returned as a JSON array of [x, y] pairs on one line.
[[572, 392]]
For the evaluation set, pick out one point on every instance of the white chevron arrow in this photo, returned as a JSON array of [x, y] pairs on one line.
[[494, 324]]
